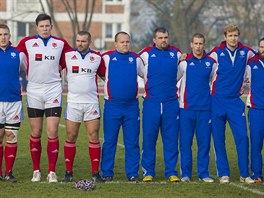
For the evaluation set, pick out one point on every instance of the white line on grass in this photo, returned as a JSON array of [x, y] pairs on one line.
[[118, 144], [255, 191]]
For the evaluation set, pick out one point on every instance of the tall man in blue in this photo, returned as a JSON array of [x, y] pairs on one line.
[[121, 107], [194, 75], [231, 57], [255, 102], [11, 111], [160, 106]]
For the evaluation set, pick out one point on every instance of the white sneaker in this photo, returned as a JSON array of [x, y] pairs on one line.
[[247, 180], [52, 177], [224, 180], [207, 180], [185, 179], [36, 176]]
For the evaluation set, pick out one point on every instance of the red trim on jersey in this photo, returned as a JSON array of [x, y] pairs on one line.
[[173, 47], [213, 86], [109, 52], [145, 49], [101, 69], [185, 103]]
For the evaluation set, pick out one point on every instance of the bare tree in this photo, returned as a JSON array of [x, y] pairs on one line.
[[72, 8], [185, 17], [181, 17]]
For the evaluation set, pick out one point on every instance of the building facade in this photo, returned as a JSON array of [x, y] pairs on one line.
[[109, 17]]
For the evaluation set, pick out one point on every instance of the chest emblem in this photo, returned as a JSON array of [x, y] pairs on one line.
[[130, 59], [54, 45], [91, 58], [13, 54]]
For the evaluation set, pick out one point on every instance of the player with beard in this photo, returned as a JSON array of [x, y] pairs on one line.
[[83, 65], [160, 106], [255, 103]]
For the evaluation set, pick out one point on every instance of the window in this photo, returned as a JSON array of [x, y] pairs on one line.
[[21, 29], [25, 29], [113, 1], [108, 30], [118, 27], [111, 29]]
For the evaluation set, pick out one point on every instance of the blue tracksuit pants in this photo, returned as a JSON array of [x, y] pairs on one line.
[[117, 114], [199, 122], [233, 111], [256, 126], [164, 117]]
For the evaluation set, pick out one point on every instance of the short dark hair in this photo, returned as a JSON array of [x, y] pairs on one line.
[[118, 33], [160, 29], [83, 32], [198, 35], [4, 26], [42, 17], [262, 39]]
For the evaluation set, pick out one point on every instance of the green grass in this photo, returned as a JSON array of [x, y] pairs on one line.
[[120, 187]]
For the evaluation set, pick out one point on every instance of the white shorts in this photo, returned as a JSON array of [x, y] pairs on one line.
[[11, 112], [44, 96], [78, 112]]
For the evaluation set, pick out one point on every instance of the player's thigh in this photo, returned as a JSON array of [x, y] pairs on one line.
[[36, 126], [52, 124], [72, 130], [92, 129], [92, 120]]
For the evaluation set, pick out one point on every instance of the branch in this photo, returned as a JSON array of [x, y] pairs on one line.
[[77, 25], [86, 14], [51, 11], [91, 16]]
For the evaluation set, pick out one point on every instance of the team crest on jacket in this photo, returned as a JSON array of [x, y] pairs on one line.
[[130, 59], [91, 58], [54, 45], [13, 54], [172, 55], [242, 53], [207, 64]]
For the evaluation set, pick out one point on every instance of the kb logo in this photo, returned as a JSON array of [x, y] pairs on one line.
[[49, 57]]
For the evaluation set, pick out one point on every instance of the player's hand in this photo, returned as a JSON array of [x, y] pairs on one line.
[[183, 57]]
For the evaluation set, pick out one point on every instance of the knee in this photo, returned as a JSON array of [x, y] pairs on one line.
[[71, 137], [11, 133]]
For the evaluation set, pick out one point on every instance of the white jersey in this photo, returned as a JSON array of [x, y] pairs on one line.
[[82, 73], [43, 57]]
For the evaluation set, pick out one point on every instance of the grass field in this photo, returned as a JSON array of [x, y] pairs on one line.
[[120, 187]]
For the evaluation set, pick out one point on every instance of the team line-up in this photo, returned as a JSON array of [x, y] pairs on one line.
[[185, 94]]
